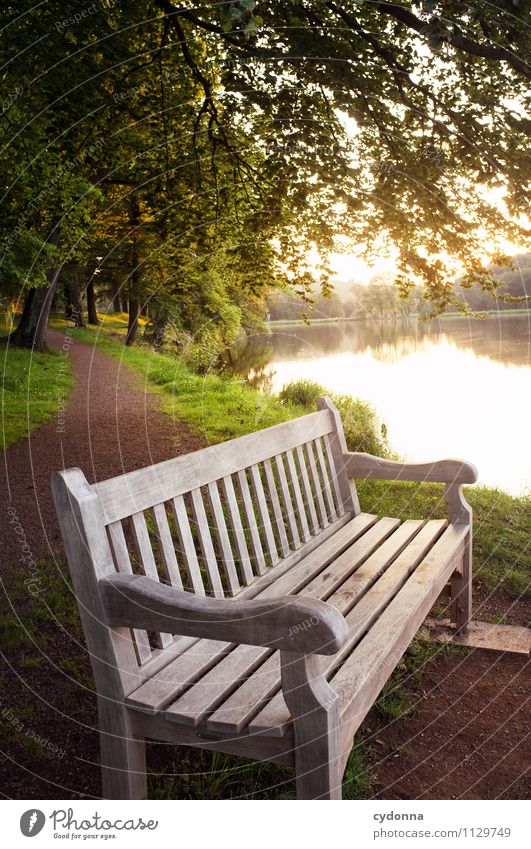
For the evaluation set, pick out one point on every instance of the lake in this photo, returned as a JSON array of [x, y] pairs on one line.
[[453, 387]]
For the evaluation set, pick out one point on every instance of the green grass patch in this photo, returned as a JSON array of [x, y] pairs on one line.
[[33, 388], [502, 528]]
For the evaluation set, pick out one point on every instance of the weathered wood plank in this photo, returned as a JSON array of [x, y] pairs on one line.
[[308, 495], [166, 544], [228, 565], [186, 540], [251, 524], [167, 684], [120, 553], [359, 681], [263, 512], [292, 581], [136, 491], [299, 500], [334, 475], [205, 542], [237, 529], [287, 502], [317, 485], [194, 706], [277, 510], [267, 678], [372, 591], [146, 557], [325, 482]]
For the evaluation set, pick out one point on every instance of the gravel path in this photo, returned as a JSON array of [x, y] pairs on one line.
[[109, 425]]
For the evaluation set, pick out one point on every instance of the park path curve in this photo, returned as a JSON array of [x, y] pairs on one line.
[[109, 424]]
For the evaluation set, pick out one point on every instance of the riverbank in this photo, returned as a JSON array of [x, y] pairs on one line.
[[479, 316], [217, 408]]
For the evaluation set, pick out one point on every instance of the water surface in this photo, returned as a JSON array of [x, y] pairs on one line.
[[455, 387]]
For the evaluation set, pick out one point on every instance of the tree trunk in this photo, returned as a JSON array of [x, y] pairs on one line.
[[132, 327], [91, 303], [124, 301], [74, 308], [31, 329], [116, 305]]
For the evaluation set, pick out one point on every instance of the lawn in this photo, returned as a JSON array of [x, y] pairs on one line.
[[33, 388]]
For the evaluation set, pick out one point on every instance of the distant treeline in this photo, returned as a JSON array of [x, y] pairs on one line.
[[381, 299]]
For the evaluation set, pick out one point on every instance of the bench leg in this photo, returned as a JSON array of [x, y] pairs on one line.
[[314, 711], [461, 590], [123, 757]]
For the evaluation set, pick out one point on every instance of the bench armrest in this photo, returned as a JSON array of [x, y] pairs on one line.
[[291, 624], [358, 465]]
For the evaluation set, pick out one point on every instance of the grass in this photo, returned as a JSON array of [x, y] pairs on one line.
[[34, 386]]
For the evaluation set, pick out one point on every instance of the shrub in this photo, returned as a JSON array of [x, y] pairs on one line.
[[302, 393], [363, 430]]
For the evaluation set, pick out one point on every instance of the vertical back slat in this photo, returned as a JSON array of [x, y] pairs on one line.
[[317, 485], [187, 545], [145, 555], [277, 509], [143, 547], [122, 560], [333, 474], [263, 511], [286, 499], [236, 522], [310, 506], [167, 547], [251, 522], [299, 500], [205, 541], [222, 534], [325, 481]]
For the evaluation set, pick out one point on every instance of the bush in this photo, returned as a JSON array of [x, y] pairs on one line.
[[363, 431], [302, 393]]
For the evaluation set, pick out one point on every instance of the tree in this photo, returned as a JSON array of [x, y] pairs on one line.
[[248, 133]]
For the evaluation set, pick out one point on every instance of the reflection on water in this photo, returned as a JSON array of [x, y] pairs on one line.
[[454, 387]]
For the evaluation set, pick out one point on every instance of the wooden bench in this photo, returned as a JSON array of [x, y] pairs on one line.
[[237, 599]]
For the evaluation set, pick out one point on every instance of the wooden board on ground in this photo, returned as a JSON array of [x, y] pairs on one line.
[[484, 635]]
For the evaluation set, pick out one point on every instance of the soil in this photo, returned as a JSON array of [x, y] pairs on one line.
[[449, 749], [469, 738]]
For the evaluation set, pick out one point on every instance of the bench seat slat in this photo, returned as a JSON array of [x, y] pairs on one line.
[[351, 559], [275, 718], [232, 716], [154, 697]]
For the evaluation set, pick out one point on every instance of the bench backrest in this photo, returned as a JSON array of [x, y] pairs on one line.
[[214, 522]]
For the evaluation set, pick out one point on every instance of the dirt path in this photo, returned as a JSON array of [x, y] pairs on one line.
[[110, 425]]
